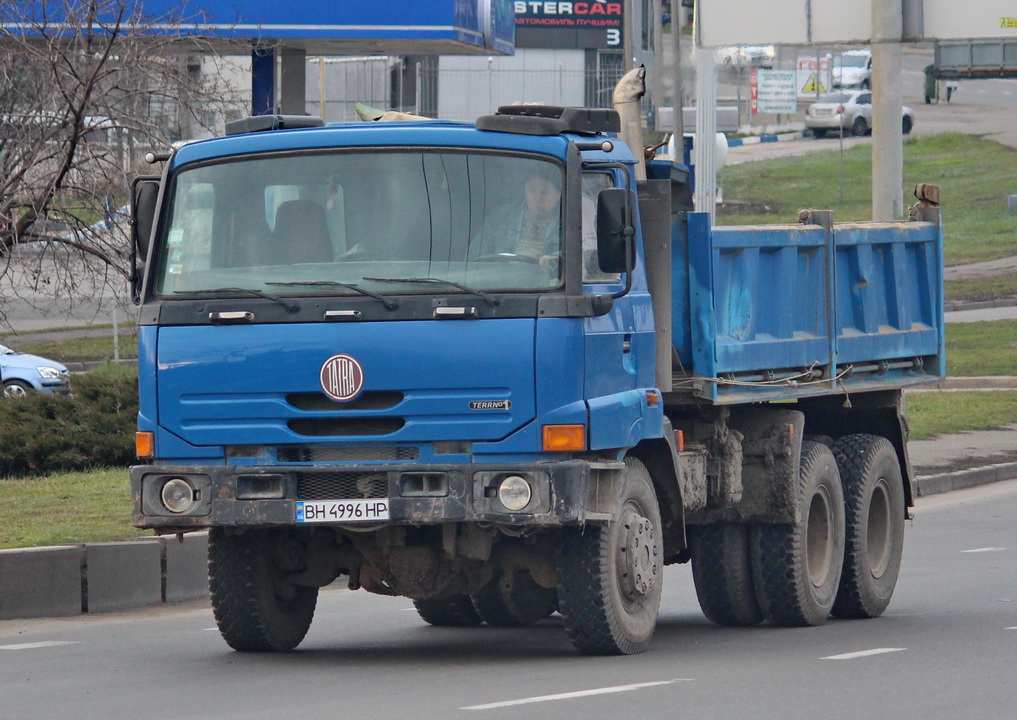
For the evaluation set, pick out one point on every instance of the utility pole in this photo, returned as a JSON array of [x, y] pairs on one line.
[[887, 110], [628, 32], [679, 90]]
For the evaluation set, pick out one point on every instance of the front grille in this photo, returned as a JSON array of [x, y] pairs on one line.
[[341, 486], [382, 400], [333, 427], [347, 453]]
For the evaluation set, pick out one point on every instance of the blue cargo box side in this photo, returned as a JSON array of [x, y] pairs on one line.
[[786, 311]]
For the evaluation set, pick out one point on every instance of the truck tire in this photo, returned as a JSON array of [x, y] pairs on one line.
[[516, 601], [874, 501], [448, 611], [722, 572], [255, 608], [796, 568], [610, 575]]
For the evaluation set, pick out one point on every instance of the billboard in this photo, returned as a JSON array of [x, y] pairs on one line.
[[377, 27], [818, 22], [564, 24]]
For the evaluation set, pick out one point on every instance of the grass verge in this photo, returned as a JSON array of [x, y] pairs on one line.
[[64, 508], [982, 348], [990, 287], [940, 413], [971, 172], [81, 349]]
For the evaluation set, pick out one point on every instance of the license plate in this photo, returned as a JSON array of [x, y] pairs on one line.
[[342, 511]]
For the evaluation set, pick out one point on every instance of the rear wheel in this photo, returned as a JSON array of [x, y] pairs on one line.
[[255, 607], [859, 127], [819, 132], [514, 600], [906, 125], [722, 571], [448, 611], [796, 568], [874, 501], [610, 576]]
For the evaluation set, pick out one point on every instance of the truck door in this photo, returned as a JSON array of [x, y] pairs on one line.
[[619, 345]]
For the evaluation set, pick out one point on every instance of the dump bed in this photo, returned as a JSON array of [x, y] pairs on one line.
[[786, 311]]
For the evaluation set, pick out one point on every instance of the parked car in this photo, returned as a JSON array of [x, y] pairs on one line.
[[853, 69], [755, 55], [23, 373], [850, 111]]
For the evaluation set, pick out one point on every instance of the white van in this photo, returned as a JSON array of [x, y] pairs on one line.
[[853, 69]]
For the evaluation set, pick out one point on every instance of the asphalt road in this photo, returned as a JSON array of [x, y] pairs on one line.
[[944, 650]]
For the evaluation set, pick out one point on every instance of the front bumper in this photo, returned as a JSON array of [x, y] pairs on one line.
[[235, 496]]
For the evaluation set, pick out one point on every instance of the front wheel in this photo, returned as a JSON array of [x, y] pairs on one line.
[[255, 607], [874, 498], [448, 611], [906, 125], [16, 389], [610, 576], [514, 600], [796, 568]]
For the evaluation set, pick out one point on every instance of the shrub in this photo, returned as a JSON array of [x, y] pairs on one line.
[[92, 427]]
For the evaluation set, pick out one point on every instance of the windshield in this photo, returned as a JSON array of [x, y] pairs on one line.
[[850, 61], [318, 223], [836, 98]]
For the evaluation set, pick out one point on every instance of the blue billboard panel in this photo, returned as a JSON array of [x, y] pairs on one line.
[[380, 26]]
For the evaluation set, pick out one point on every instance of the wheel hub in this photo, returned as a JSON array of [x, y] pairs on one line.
[[638, 563]]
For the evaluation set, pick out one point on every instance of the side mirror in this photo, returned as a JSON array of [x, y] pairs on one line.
[[144, 197], [144, 194], [615, 230]]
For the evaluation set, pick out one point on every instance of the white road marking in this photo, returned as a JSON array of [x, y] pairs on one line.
[[985, 549], [1012, 628], [36, 645], [573, 695], [863, 653]]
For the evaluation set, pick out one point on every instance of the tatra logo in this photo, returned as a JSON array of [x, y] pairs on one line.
[[491, 405], [342, 377]]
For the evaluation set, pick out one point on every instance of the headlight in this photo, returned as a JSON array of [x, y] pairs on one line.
[[178, 496], [514, 493], [50, 373]]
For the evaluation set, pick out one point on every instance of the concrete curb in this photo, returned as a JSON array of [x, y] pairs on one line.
[[102, 577], [955, 306], [780, 137], [945, 482]]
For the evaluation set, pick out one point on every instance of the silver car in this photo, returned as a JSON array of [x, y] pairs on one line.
[[848, 111]]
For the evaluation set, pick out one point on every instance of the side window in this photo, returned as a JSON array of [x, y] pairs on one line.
[[593, 183], [189, 241]]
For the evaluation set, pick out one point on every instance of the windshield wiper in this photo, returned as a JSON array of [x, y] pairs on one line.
[[486, 297], [389, 304], [290, 307]]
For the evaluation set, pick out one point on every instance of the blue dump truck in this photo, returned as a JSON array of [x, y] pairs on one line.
[[480, 366]]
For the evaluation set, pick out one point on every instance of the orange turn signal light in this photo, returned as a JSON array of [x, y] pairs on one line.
[[564, 438], [144, 444]]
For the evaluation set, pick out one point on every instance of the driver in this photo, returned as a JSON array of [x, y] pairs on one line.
[[532, 227]]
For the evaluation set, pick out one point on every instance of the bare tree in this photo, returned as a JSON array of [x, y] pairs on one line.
[[86, 87]]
